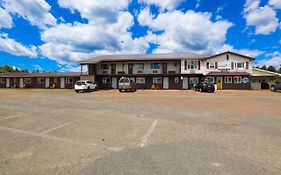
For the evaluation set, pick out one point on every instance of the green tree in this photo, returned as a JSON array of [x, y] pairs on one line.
[[7, 69], [271, 68], [264, 67]]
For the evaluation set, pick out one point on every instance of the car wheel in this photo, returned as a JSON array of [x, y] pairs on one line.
[[120, 90], [88, 89], [77, 91], [272, 88], [200, 90]]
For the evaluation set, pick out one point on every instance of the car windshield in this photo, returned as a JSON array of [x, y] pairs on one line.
[[124, 80]]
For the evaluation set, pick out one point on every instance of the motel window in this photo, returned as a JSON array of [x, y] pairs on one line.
[[227, 57], [69, 80], [192, 64], [2, 80], [155, 65], [157, 80], [140, 80], [140, 66], [104, 66], [237, 79], [106, 80], [40, 80], [55, 80], [240, 65], [211, 79], [27, 80], [212, 65], [176, 79], [227, 79]]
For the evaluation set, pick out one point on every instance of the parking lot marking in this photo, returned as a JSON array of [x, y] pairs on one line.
[[62, 126], [16, 116], [147, 134]]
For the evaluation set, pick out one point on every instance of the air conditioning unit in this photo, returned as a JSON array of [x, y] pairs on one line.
[[140, 71], [155, 71]]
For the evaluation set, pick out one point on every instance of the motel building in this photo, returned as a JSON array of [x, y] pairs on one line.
[[228, 70]]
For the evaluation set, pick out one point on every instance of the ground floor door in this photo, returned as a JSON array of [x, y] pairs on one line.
[[114, 83], [7, 82], [47, 82], [185, 83], [62, 83], [219, 83], [166, 83], [21, 82]]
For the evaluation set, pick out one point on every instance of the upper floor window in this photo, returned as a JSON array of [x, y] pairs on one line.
[[227, 57], [240, 65], [192, 64], [104, 66], [155, 65], [140, 66]]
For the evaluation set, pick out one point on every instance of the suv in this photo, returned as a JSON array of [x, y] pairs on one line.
[[85, 86], [126, 84], [204, 87], [275, 87]]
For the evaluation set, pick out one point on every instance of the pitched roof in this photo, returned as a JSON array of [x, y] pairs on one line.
[[260, 72], [44, 74], [234, 53], [143, 57]]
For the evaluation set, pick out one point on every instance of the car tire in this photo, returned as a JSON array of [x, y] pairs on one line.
[[120, 90], [272, 88], [200, 90], [77, 91], [88, 89]]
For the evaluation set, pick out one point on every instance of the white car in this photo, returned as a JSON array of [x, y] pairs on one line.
[[85, 86]]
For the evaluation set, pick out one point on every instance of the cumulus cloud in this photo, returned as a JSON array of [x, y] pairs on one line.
[[275, 3], [87, 40], [262, 18], [273, 59], [191, 31], [97, 11], [5, 19], [34, 11], [163, 4], [13, 47]]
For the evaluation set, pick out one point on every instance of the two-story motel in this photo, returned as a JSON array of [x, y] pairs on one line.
[[228, 70]]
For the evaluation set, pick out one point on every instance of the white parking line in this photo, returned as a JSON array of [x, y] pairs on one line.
[[16, 116], [57, 138], [147, 134], [61, 126]]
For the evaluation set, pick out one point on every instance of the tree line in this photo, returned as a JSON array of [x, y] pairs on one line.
[[8, 69], [270, 68]]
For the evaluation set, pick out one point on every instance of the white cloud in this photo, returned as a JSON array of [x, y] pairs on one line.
[[97, 11], [87, 40], [13, 47], [5, 19], [198, 2], [186, 32], [273, 59], [35, 11], [275, 3], [262, 18], [163, 4]]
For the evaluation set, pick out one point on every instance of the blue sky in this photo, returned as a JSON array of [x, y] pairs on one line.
[[54, 34]]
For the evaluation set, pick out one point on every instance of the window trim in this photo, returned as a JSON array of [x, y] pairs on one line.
[[242, 65], [155, 80], [138, 80], [226, 80], [153, 67], [237, 78], [27, 82], [192, 64], [67, 80]]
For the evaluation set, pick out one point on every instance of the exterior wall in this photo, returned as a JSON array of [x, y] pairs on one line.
[[3, 85], [223, 63], [192, 71], [172, 68], [233, 85]]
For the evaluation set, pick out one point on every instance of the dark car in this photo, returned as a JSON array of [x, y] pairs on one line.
[[204, 87], [275, 87], [126, 84]]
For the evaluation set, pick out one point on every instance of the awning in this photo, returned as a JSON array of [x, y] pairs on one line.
[[228, 74]]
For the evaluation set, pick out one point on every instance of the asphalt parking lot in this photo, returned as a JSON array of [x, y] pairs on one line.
[[147, 132]]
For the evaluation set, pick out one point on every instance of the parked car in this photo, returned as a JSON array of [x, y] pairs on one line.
[[126, 84], [275, 87], [204, 87], [85, 86]]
